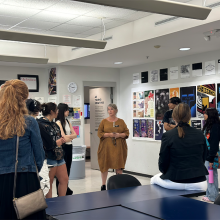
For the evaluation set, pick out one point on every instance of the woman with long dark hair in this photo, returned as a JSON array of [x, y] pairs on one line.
[[53, 141], [15, 121], [182, 155], [69, 134], [211, 131]]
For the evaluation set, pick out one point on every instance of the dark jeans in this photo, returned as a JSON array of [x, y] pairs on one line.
[[67, 148]]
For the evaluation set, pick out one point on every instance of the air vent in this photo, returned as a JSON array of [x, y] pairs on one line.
[[166, 20], [214, 5]]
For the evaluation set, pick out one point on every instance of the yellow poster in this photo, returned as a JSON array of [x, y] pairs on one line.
[[174, 92]]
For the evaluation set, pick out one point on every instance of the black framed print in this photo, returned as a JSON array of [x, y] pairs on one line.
[[32, 82]]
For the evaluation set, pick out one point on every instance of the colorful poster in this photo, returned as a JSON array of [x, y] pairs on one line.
[[159, 130], [136, 128], [134, 95], [174, 92], [150, 128], [140, 104], [143, 123], [163, 74], [52, 83], [77, 130], [218, 98], [134, 104], [149, 103], [206, 98], [188, 95], [197, 124], [197, 69], [139, 95], [185, 71], [154, 76], [174, 72], [161, 103], [134, 113], [210, 68], [140, 113]]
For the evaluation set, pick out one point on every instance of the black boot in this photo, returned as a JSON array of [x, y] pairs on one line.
[[103, 187]]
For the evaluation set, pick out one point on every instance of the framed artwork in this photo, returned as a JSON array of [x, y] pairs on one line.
[[32, 82]]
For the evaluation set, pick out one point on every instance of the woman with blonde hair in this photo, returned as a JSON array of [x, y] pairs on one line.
[[112, 152], [182, 155], [14, 121]]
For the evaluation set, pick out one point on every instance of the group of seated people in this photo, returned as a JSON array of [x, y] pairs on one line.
[[185, 154]]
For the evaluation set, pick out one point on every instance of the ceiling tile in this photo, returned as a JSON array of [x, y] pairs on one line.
[[57, 33], [13, 11], [43, 25], [136, 15], [54, 16], [114, 24], [87, 21], [4, 20], [82, 35], [73, 7], [110, 12], [92, 31], [71, 28], [28, 30], [36, 4]]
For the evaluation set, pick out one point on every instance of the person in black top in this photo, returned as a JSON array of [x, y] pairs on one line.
[[182, 155], [52, 141], [168, 121], [211, 131]]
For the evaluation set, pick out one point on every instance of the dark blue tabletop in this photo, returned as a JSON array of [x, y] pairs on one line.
[[88, 201], [111, 213], [177, 208]]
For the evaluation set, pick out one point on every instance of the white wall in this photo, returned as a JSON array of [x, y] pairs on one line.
[[11, 72], [143, 155], [82, 76]]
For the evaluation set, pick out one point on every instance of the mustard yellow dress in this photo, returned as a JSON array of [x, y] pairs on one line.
[[112, 153]]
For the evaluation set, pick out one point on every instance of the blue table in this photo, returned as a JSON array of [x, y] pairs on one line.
[[111, 213], [102, 199], [176, 208]]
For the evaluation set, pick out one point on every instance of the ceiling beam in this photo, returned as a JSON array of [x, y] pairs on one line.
[[157, 6], [51, 40], [19, 59]]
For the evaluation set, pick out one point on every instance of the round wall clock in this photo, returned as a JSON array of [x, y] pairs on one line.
[[72, 87]]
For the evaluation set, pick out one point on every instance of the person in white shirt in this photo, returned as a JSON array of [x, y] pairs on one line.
[[69, 134]]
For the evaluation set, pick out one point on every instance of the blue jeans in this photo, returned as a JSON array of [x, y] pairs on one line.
[[212, 190]]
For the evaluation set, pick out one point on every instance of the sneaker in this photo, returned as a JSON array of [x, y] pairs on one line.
[[103, 187], [206, 199]]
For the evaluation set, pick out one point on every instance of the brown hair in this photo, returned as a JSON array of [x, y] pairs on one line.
[[12, 109], [182, 115]]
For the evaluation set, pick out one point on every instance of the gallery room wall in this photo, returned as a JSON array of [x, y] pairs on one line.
[[79, 75], [142, 154], [11, 72]]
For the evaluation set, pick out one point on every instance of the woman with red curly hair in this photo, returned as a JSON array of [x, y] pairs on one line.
[[14, 121]]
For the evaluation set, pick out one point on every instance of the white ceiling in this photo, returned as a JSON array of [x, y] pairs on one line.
[[62, 17], [135, 54]]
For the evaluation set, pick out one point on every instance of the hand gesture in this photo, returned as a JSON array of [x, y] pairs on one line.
[[117, 135]]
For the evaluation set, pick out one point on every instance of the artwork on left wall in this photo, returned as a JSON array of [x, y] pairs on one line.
[[218, 98], [161, 103], [52, 82]]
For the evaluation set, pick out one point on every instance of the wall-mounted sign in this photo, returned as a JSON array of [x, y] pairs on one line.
[[32, 82]]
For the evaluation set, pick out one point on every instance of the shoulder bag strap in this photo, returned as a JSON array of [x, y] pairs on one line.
[[16, 168]]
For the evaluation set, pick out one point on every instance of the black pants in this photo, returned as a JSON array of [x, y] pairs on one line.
[[68, 151]]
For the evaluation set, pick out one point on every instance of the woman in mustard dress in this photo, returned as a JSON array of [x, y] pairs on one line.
[[112, 152]]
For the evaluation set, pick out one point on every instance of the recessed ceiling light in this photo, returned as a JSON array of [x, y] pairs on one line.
[[118, 63], [184, 48]]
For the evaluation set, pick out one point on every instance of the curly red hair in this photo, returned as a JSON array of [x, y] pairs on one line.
[[13, 108]]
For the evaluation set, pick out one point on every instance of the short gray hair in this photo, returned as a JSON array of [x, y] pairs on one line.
[[114, 106]]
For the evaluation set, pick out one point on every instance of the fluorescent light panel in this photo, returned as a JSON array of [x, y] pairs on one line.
[[51, 40], [18, 59], [158, 6]]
